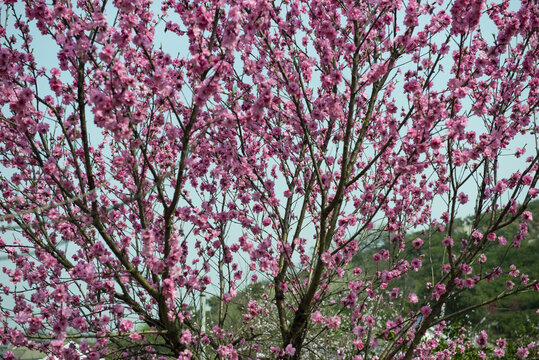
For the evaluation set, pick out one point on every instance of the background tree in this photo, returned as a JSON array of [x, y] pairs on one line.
[[283, 138]]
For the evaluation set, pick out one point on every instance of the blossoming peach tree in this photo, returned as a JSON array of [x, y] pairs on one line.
[[189, 147]]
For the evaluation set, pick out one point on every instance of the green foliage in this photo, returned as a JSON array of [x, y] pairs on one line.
[[513, 318]]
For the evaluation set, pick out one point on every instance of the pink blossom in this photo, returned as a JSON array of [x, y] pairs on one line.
[[482, 339], [289, 350], [274, 142], [447, 241], [482, 259], [463, 198], [126, 325], [522, 352], [186, 337], [426, 310], [333, 322], [469, 283], [418, 243], [499, 353], [416, 264], [185, 355], [317, 317], [466, 15], [435, 143], [439, 290], [358, 343], [411, 18]]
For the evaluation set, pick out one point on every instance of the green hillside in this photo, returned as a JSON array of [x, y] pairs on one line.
[[512, 317]]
